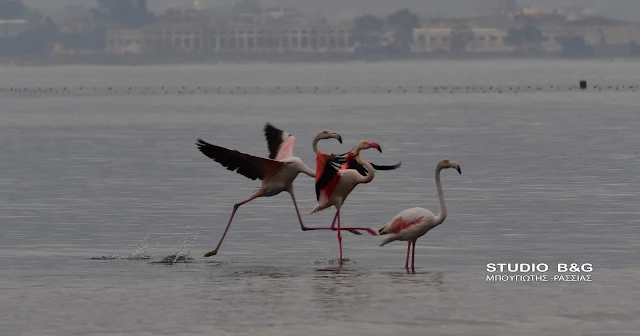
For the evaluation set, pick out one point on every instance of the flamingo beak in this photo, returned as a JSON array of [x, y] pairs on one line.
[[339, 137], [459, 170], [376, 146]]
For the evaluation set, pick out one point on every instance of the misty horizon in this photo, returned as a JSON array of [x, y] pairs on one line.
[[617, 9]]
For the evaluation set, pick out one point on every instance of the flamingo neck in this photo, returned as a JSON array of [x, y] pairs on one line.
[[371, 172], [443, 207], [357, 149], [315, 143]]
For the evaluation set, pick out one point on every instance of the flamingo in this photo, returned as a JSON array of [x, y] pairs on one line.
[[335, 181], [413, 223], [340, 162], [276, 173]]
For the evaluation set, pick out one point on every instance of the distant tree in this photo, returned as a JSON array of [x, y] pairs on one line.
[[245, 9], [634, 49], [35, 16], [172, 14], [34, 41], [122, 13], [247, 6], [367, 30], [460, 37], [12, 9], [575, 46], [403, 23], [525, 38]]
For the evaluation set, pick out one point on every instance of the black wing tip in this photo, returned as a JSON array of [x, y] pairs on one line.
[[273, 135], [201, 143], [389, 167], [268, 127]]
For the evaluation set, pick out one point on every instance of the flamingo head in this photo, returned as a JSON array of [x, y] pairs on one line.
[[446, 163], [370, 144], [327, 134]]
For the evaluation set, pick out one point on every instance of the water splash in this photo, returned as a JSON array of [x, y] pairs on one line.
[[332, 260], [180, 254], [142, 252]]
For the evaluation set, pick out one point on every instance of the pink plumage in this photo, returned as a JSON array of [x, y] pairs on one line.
[[413, 223], [276, 173]]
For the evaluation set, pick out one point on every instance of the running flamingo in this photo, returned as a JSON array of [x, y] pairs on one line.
[[334, 183], [276, 173], [328, 165], [413, 223]]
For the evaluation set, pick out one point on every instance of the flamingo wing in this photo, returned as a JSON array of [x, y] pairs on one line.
[[253, 167], [327, 175], [402, 221], [348, 161], [279, 142]]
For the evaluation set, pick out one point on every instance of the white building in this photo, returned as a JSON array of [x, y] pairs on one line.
[[13, 28]]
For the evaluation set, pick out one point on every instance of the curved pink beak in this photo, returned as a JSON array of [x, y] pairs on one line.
[[376, 146]]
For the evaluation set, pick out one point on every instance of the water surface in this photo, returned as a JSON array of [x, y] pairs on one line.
[[547, 177]]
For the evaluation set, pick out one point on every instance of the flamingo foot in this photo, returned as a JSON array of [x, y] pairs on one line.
[[211, 253], [355, 232]]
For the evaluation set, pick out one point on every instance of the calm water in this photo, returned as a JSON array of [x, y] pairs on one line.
[[548, 177]]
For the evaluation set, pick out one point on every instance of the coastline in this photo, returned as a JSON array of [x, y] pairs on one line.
[[246, 58]]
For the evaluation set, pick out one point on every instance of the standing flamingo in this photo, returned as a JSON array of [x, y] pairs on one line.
[[333, 185], [276, 173], [413, 223]]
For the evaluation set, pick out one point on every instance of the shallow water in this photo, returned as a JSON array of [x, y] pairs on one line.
[[97, 191]]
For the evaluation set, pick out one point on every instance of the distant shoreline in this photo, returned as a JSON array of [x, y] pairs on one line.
[[244, 58]]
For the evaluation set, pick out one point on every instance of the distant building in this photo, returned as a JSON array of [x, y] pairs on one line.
[[596, 31], [173, 37], [481, 40], [201, 37], [281, 38], [124, 41], [13, 28]]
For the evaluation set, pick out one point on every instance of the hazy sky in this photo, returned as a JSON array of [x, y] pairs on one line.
[[622, 9]]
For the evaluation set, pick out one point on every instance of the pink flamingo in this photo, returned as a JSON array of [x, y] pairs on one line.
[[334, 182], [276, 173], [413, 223]]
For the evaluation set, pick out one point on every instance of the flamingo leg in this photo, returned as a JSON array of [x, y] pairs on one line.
[[350, 229], [333, 224], [309, 228], [413, 257], [406, 263], [235, 208], [339, 236], [302, 226]]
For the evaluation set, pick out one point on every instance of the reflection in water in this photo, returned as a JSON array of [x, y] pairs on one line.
[[339, 293], [229, 271], [418, 279]]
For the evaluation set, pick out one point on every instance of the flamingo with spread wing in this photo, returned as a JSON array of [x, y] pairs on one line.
[[276, 173]]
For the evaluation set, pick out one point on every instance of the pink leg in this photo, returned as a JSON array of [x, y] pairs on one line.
[[339, 236], [304, 228], [413, 257], [351, 229], [333, 224], [235, 208], [406, 263], [308, 228]]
